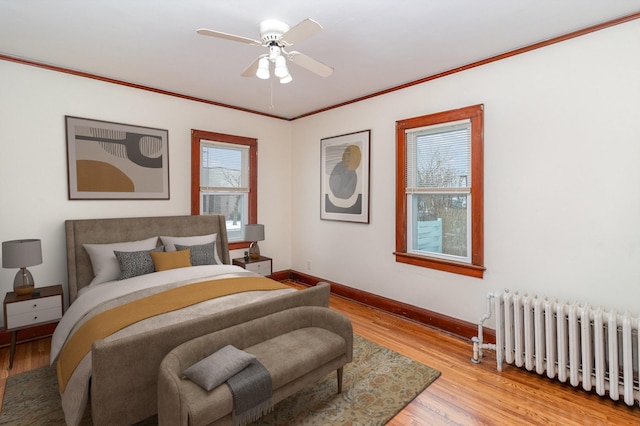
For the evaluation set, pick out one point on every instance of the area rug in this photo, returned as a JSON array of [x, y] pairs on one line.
[[377, 385]]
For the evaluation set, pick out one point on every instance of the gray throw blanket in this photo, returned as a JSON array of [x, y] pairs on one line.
[[252, 391]]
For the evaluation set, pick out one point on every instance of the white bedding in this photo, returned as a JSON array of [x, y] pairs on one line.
[[98, 298]]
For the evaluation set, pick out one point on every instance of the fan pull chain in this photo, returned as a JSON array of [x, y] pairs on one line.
[[271, 106]]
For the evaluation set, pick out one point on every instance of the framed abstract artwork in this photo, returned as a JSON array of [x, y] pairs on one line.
[[116, 161], [344, 182]]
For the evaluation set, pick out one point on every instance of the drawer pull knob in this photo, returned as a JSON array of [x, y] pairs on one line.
[[35, 318], [35, 305]]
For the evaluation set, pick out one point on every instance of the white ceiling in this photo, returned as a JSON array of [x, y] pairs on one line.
[[373, 45]]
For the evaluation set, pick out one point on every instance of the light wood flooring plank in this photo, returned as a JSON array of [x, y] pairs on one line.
[[465, 393]]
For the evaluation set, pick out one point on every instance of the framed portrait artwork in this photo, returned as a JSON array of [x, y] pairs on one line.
[[116, 161], [344, 183]]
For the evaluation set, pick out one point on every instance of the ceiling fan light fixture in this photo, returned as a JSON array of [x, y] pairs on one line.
[[281, 67], [286, 79], [263, 68], [272, 30], [274, 52], [278, 37]]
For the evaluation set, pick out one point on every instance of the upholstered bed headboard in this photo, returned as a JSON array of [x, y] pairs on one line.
[[103, 231]]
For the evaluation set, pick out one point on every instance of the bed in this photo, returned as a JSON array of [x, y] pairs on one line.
[[111, 340]]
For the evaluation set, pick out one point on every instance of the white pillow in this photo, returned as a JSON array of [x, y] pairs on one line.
[[103, 259], [170, 243]]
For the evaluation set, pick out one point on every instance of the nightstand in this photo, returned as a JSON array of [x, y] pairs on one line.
[[43, 306], [261, 265]]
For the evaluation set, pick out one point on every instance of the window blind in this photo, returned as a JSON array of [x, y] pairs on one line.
[[439, 158], [224, 167]]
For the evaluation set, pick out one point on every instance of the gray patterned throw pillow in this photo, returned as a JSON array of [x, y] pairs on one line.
[[202, 254], [134, 263]]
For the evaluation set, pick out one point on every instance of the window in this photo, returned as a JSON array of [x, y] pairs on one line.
[[439, 191], [224, 180]]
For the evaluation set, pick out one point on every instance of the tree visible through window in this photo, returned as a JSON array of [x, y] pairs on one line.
[[224, 180], [439, 193]]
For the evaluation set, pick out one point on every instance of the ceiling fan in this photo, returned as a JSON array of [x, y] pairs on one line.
[[277, 37]]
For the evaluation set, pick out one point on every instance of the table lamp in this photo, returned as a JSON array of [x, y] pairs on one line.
[[20, 254], [254, 233]]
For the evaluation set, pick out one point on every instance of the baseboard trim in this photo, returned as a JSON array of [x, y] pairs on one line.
[[463, 329], [280, 275]]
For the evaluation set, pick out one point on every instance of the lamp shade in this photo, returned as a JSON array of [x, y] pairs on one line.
[[254, 232], [263, 68], [21, 253], [280, 69], [286, 79]]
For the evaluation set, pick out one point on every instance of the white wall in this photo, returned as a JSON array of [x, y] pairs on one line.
[[562, 200], [33, 163], [561, 196]]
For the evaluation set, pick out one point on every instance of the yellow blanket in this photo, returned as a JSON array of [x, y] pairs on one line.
[[115, 319]]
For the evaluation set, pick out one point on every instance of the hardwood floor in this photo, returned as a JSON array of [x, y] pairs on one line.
[[465, 393], [29, 356]]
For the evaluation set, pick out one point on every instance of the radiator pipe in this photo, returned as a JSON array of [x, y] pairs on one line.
[[478, 344]]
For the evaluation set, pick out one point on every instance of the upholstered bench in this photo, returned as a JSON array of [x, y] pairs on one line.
[[297, 346]]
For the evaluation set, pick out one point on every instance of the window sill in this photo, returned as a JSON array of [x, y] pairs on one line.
[[239, 245], [475, 271]]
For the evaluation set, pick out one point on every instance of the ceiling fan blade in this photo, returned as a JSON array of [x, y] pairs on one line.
[[309, 63], [301, 31], [251, 69], [226, 36]]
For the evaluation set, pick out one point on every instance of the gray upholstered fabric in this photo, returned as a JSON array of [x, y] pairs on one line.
[[297, 346], [125, 371], [104, 231]]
